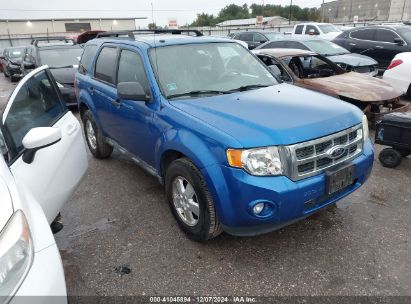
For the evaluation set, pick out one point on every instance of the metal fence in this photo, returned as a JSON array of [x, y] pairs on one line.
[[22, 40]]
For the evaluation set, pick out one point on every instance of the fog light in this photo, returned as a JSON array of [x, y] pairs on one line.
[[258, 208]]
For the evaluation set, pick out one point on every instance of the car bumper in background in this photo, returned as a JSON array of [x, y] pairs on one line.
[[45, 281], [237, 192]]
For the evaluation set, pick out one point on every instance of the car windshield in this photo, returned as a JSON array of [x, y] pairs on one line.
[[16, 53], [61, 57], [405, 32], [325, 48], [207, 69], [328, 28], [273, 36]]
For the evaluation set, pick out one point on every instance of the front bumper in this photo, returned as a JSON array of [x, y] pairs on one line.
[[45, 281], [235, 191], [15, 71]]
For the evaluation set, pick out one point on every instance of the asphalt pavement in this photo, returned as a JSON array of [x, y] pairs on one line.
[[118, 220]]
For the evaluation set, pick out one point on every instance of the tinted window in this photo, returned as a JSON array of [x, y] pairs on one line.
[[105, 64], [299, 29], [295, 45], [37, 104], [131, 68], [246, 37], [366, 34], [308, 28], [405, 32], [385, 36], [87, 58], [274, 45]]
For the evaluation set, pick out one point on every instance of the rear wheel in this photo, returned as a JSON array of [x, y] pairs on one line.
[[94, 138], [190, 201], [390, 157]]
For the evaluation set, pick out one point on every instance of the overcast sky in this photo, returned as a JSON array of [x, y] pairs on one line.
[[184, 10]]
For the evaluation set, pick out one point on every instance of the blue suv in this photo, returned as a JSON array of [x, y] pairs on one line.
[[236, 150]]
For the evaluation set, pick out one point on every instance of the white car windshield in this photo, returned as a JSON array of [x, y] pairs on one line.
[[205, 69], [61, 57], [328, 28]]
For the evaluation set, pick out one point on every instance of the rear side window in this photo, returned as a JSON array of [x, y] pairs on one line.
[[385, 36], [366, 34], [131, 68], [87, 58], [299, 29], [246, 36], [259, 38], [105, 64]]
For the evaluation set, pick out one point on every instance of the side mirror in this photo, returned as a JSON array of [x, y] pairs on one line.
[[398, 41], [37, 139], [28, 65], [132, 91]]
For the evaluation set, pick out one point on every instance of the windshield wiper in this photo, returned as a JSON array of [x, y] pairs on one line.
[[249, 87], [198, 93]]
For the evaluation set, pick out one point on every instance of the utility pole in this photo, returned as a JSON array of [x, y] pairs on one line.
[[291, 11], [403, 9], [322, 13]]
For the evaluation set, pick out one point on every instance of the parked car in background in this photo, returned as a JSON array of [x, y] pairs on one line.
[[315, 72], [62, 56], [88, 35], [398, 73], [43, 159], [379, 42], [256, 38], [321, 30], [346, 60], [11, 62], [236, 150]]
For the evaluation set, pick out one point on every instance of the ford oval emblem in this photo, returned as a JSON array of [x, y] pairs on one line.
[[336, 152]]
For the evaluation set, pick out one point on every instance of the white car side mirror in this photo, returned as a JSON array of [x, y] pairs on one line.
[[39, 138]]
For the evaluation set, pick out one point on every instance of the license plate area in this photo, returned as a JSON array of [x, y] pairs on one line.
[[339, 179]]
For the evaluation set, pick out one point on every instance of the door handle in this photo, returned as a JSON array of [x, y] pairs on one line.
[[116, 102], [91, 90], [379, 47], [353, 44]]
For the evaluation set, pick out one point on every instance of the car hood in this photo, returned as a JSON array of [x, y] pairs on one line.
[[276, 115], [355, 60], [355, 86], [6, 206], [64, 75]]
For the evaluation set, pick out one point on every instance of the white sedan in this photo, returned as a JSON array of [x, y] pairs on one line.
[[43, 159], [398, 73]]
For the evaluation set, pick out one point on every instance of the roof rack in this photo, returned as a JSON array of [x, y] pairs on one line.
[[131, 34], [35, 40]]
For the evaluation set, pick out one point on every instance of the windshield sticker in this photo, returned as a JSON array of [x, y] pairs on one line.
[[172, 86]]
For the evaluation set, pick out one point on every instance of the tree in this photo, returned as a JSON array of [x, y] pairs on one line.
[[204, 20], [152, 26]]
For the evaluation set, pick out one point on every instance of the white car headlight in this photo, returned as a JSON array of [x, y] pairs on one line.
[[16, 255], [261, 161], [365, 129]]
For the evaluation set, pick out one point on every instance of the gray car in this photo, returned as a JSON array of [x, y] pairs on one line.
[[337, 54]]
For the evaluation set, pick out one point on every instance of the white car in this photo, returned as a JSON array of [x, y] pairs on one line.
[[398, 73], [319, 30], [43, 159]]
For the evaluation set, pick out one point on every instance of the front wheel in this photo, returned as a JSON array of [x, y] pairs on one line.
[[390, 157], [190, 201], [95, 140]]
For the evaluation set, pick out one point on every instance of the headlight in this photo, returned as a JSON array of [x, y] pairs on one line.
[[16, 255], [60, 85], [260, 161], [365, 129]]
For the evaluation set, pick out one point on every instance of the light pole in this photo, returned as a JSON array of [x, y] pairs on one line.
[[291, 11], [322, 14]]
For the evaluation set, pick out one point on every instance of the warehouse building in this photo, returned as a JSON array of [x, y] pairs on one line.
[[367, 10]]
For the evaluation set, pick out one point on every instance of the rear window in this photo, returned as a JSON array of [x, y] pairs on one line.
[[87, 58], [105, 64]]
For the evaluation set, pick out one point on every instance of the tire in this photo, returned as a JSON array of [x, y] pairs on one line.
[[405, 153], [98, 146], [390, 158], [13, 78], [205, 224]]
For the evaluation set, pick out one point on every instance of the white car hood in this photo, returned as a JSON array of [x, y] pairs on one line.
[[6, 205]]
